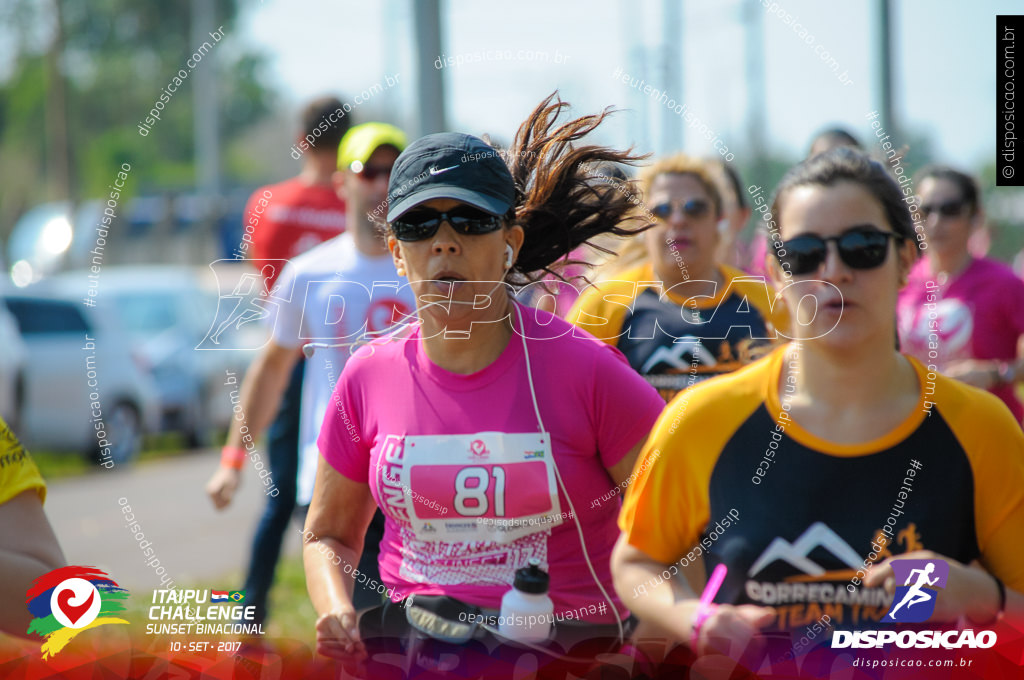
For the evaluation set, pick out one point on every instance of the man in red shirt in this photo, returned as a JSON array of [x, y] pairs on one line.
[[281, 221], [286, 219]]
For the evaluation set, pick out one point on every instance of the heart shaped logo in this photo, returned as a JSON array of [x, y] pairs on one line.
[[70, 600], [74, 612], [75, 603], [478, 447]]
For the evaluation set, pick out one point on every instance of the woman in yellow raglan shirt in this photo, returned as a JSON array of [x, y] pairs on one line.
[[679, 316], [810, 472], [28, 546]]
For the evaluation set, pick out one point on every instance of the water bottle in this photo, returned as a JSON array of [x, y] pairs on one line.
[[526, 610]]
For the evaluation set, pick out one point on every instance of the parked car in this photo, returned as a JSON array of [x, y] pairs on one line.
[[12, 370], [166, 312], [58, 235], [82, 378]]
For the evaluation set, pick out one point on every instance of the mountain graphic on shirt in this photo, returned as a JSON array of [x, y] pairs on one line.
[[673, 356], [795, 554]]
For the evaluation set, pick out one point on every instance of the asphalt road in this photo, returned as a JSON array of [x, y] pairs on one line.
[[191, 539]]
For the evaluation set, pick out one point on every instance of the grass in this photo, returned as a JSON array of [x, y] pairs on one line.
[[53, 465], [63, 464], [291, 613]]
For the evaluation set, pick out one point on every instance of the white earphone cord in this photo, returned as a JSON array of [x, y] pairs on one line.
[[561, 484]]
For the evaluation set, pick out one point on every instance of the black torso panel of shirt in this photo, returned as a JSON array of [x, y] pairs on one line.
[[662, 337], [809, 524]]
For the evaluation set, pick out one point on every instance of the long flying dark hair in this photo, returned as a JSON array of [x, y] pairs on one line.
[[561, 202]]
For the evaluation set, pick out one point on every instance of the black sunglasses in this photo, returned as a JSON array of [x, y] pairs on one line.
[[859, 249], [369, 173], [948, 209], [423, 224], [695, 207]]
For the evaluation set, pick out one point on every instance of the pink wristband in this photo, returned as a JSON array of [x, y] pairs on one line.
[[699, 617], [232, 457]]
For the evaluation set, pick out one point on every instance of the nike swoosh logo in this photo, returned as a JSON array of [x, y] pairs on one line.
[[435, 171]]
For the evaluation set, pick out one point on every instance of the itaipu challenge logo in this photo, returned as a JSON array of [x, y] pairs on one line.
[[70, 600]]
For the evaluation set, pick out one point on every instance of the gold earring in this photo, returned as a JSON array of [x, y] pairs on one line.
[[400, 270]]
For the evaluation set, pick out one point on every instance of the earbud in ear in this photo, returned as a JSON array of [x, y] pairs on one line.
[[395, 250], [509, 254]]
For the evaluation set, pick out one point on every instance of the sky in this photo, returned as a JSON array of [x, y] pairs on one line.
[[943, 76]]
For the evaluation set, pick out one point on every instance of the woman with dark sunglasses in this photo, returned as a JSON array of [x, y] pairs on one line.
[[962, 315], [681, 316], [810, 474], [484, 430]]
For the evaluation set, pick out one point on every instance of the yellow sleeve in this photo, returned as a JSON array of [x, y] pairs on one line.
[[667, 506], [601, 309], [18, 472], [994, 444]]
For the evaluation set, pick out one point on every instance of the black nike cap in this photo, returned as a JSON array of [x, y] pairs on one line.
[[450, 165]]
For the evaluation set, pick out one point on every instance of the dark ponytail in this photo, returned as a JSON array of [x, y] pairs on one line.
[[560, 203]]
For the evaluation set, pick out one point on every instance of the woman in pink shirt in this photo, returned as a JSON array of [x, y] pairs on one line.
[[486, 430], [961, 314]]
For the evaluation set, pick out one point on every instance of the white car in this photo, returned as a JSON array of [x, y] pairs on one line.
[[12, 370], [85, 388], [166, 312]]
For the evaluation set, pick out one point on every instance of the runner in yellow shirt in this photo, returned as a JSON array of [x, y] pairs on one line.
[[808, 472], [28, 546], [679, 316]]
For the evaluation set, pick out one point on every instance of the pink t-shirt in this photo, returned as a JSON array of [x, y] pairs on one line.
[[977, 315], [594, 407], [757, 252]]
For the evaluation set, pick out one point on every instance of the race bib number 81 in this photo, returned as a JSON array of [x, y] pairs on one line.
[[483, 490], [485, 486]]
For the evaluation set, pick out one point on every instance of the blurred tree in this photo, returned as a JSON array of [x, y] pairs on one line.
[[1005, 209], [765, 173], [82, 75]]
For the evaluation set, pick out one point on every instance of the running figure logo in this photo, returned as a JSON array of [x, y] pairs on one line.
[[914, 601], [242, 300], [246, 307]]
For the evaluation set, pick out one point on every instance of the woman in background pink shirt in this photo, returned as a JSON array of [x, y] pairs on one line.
[[960, 313], [488, 430]]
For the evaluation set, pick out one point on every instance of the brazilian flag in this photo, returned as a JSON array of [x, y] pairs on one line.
[[236, 595]]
